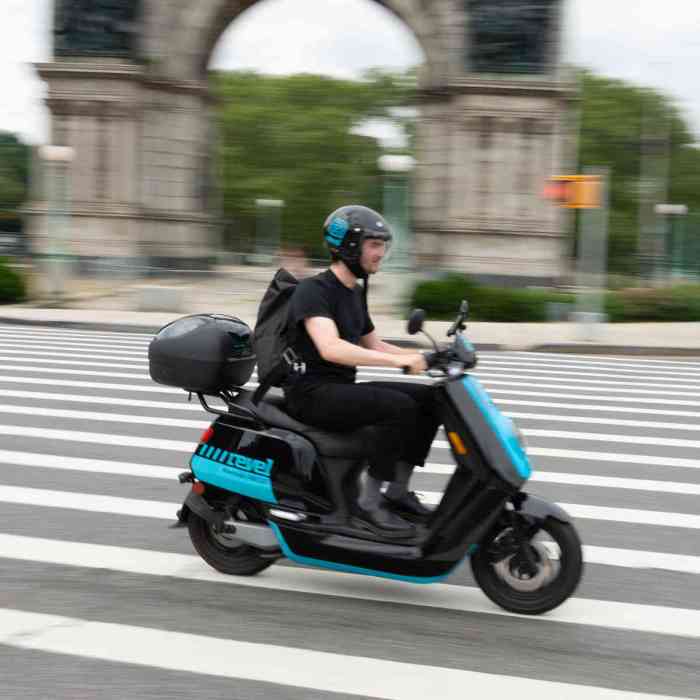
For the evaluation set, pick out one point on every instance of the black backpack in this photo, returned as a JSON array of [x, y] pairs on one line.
[[273, 338]]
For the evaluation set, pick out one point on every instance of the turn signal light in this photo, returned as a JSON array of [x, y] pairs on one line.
[[457, 443], [207, 435], [198, 488]]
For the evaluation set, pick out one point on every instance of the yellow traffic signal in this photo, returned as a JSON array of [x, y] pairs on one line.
[[574, 191]]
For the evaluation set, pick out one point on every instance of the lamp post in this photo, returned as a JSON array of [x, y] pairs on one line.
[[267, 229], [57, 160], [396, 205], [669, 260]]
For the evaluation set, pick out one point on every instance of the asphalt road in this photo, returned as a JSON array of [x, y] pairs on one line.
[[100, 599]]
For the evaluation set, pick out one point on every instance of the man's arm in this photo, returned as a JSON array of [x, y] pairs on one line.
[[332, 348], [372, 341]]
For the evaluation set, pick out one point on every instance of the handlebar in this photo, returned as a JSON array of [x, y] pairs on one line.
[[454, 355], [458, 356]]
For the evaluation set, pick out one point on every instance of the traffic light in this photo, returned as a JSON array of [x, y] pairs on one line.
[[574, 191]]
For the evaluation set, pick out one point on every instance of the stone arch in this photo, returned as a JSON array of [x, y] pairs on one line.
[[139, 124], [198, 26]]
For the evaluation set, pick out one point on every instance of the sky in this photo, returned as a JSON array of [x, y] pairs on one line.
[[647, 42]]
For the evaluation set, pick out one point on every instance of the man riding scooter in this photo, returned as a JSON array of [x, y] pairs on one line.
[[335, 335]]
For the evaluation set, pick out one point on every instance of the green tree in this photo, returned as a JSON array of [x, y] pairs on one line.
[[14, 179], [611, 134], [292, 138]]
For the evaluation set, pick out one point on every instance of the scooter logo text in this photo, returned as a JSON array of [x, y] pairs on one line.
[[233, 459]]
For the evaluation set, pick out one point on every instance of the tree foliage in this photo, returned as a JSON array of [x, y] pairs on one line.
[[292, 138], [619, 122], [14, 179]]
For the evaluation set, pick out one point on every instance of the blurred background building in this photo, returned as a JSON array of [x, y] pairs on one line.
[[129, 91]]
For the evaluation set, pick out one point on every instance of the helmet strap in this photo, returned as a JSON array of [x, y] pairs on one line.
[[354, 266]]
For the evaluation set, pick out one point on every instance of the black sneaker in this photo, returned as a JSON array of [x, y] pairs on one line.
[[409, 504], [380, 521]]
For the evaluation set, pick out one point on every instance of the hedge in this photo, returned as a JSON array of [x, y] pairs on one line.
[[679, 303], [12, 287], [441, 298]]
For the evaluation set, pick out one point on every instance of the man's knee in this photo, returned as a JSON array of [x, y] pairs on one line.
[[402, 409]]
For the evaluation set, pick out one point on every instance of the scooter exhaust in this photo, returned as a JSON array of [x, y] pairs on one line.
[[259, 536], [254, 534]]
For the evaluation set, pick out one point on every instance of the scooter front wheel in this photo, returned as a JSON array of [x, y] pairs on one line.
[[224, 552], [534, 577]]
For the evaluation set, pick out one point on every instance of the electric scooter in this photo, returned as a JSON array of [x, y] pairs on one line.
[[265, 486]]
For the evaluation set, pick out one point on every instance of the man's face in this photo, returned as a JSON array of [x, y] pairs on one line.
[[373, 250]]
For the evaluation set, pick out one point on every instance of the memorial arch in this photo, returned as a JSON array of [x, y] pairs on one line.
[[127, 90]]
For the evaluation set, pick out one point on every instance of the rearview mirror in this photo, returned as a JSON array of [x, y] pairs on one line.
[[415, 321]]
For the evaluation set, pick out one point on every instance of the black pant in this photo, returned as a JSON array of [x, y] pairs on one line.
[[406, 416]]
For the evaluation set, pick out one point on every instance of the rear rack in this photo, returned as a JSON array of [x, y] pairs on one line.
[[239, 411]]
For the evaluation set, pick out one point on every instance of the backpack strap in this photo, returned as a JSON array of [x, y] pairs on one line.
[[290, 362]]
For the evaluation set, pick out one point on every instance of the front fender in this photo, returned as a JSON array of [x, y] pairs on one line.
[[539, 510]]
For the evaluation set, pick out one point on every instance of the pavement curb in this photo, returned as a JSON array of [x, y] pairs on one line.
[[84, 325], [150, 330], [588, 349], [554, 348]]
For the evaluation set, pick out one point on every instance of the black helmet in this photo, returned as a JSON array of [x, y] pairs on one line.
[[346, 228]]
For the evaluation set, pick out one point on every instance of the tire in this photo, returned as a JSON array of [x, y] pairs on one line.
[[504, 584], [229, 558]]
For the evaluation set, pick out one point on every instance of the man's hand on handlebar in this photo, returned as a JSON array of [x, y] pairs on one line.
[[413, 364]]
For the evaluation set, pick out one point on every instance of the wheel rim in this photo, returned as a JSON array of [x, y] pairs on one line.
[[514, 572]]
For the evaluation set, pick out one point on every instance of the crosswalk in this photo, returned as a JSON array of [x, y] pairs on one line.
[[89, 570]]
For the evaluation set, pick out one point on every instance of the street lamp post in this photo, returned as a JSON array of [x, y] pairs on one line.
[[396, 205], [57, 160], [268, 229], [669, 260]]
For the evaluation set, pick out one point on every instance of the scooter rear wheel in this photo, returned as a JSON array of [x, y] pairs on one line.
[[224, 553], [514, 587]]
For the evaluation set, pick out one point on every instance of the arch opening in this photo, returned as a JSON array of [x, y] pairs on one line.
[[300, 126]]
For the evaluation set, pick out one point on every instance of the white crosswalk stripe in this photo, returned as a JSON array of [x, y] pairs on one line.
[[90, 451], [672, 621], [158, 509], [295, 667], [53, 461]]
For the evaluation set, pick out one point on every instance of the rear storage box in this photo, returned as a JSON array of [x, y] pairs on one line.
[[202, 353]]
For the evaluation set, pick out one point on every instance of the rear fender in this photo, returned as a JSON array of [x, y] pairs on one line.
[[196, 504]]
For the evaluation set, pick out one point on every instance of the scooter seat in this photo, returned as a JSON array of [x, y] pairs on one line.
[[351, 445]]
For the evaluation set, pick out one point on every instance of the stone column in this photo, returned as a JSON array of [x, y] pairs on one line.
[[174, 146], [462, 174], [509, 174], [541, 171]]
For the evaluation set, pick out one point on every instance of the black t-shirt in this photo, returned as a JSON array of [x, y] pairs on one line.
[[325, 295]]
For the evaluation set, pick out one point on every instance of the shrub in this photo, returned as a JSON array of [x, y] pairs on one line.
[[441, 298], [680, 303], [12, 287]]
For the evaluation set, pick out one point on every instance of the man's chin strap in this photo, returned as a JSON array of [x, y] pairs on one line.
[[359, 272], [356, 269]]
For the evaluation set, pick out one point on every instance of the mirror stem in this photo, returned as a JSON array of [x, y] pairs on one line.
[[431, 340]]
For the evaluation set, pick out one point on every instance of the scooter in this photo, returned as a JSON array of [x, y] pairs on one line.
[[265, 486]]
